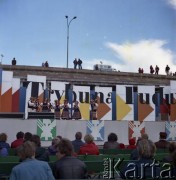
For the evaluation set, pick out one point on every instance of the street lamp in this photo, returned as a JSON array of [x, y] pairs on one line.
[[68, 26]]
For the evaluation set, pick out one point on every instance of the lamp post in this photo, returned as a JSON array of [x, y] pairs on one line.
[[1, 58], [68, 26]]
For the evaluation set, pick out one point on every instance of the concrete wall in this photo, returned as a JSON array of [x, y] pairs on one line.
[[68, 128]]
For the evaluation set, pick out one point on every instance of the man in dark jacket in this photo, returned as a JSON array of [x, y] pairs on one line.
[[75, 62], [68, 167], [77, 143], [79, 63], [14, 61], [162, 143]]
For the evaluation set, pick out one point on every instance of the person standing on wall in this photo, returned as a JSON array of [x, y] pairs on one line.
[[75, 62], [79, 64], [14, 61], [156, 70], [167, 70], [151, 69], [46, 64]]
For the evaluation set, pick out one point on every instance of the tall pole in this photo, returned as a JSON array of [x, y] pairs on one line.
[[1, 58], [68, 27]]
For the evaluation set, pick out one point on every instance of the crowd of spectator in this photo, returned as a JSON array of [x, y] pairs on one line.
[[156, 70], [34, 157], [77, 62]]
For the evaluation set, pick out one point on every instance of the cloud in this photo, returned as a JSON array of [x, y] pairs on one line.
[[172, 3], [142, 54]]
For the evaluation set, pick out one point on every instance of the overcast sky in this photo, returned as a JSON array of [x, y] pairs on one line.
[[126, 34]]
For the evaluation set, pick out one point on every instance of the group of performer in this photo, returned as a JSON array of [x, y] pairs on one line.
[[62, 111]]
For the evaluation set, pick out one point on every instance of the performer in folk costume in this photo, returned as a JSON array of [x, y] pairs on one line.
[[76, 111], [37, 105], [57, 109], [94, 107], [65, 111], [31, 105], [45, 105]]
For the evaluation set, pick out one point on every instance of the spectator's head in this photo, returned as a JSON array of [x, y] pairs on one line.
[[65, 148], [36, 140], [172, 147], [163, 135], [112, 137], [55, 141], [26, 150], [3, 137], [78, 135], [60, 137], [88, 138], [146, 149], [144, 136], [132, 141], [27, 136], [20, 135]]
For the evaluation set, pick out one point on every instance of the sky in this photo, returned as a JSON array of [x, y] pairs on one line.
[[126, 34]]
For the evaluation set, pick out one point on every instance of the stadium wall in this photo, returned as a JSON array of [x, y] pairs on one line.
[[48, 128]]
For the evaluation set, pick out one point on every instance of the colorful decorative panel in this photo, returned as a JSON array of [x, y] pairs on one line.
[[103, 96], [46, 129], [171, 130], [146, 106], [96, 129], [0, 87], [165, 102], [136, 129], [6, 91], [15, 95], [124, 103], [173, 101]]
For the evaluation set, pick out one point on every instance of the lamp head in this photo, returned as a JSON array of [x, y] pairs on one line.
[[74, 17], [66, 17]]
